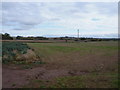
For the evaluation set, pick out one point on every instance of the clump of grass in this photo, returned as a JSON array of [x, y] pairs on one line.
[[13, 84], [69, 82], [29, 57]]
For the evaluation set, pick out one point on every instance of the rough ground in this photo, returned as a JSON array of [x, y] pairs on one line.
[[61, 63], [14, 77]]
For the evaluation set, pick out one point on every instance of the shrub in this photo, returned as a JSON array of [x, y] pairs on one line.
[[17, 51]]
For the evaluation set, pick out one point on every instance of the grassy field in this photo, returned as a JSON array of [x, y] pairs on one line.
[[96, 60], [71, 65], [68, 55]]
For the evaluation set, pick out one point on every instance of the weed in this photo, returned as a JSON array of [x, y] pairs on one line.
[[13, 85], [42, 86]]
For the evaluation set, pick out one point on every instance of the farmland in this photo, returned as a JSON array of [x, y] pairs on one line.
[[64, 65]]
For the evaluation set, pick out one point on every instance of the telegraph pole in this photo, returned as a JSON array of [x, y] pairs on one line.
[[78, 34]]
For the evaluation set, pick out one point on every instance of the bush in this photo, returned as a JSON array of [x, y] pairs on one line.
[[11, 49]]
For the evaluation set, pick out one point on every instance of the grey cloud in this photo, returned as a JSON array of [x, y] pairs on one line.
[[27, 15], [22, 13], [24, 27], [106, 8], [18, 29]]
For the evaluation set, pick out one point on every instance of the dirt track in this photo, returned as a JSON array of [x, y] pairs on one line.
[[13, 77]]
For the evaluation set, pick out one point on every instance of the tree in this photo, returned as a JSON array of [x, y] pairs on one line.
[[83, 38], [66, 38], [6, 36], [19, 37]]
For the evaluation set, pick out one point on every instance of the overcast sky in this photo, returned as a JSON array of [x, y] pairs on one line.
[[60, 19]]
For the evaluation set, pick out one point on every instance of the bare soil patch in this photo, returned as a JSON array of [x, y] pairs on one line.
[[13, 77]]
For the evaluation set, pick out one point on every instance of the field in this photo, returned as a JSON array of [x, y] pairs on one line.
[[65, 65]]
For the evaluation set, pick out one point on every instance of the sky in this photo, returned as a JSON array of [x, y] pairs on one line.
[[55, 19]]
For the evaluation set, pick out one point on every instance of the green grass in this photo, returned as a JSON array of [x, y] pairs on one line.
[[88, 81], [84, 48], [52, 48], [69, 55], [92, 80]]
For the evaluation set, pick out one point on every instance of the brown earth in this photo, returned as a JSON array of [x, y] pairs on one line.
[[18, 77]]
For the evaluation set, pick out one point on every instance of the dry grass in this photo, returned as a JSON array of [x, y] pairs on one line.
[[30, 56]]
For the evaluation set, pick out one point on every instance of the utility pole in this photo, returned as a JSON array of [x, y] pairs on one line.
[[78, 34]]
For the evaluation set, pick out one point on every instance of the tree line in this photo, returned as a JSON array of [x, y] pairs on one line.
[[7, 36]]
